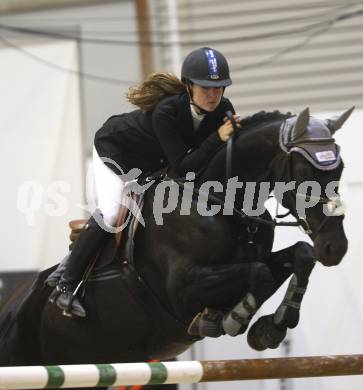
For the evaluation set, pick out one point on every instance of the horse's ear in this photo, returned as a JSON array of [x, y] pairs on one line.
[[337, 122], [301, 124]]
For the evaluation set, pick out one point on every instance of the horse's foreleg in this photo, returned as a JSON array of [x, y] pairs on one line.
[[298, 260], [218, 287], [236, 321], [301, 262]]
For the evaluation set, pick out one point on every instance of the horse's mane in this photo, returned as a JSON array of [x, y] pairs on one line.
[[262, 116]]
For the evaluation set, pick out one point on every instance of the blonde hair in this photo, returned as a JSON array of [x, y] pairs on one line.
[[157, 86]]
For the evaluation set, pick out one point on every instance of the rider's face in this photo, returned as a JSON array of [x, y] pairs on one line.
[[207, 98]]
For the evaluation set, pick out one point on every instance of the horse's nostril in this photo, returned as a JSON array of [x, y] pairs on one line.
[[333, 254]]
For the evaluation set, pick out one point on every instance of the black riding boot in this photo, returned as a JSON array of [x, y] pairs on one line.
[[54, 278], [85, 248]]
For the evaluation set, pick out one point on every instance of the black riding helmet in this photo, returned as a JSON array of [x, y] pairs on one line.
[[206, 67]]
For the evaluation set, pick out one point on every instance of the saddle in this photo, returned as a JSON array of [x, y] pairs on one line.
[[124, 235], [76, 225]]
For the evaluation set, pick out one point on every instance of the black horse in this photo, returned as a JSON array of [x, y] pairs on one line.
[[209, 273]]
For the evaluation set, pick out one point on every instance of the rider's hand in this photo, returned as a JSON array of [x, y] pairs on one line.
[[226, 130]]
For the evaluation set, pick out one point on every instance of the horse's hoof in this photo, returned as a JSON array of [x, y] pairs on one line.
[[265, 334], [254, 341], [287, 316]]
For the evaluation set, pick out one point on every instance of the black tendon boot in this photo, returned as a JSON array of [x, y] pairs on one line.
[[90, 240]]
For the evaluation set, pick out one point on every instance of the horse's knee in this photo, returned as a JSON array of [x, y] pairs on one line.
[[304, 250], [262, 282], [304, 258]]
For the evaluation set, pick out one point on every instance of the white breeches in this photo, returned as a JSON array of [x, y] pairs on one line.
[[109, 187]]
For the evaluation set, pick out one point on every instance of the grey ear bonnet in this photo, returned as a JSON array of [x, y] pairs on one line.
[[315, 143]]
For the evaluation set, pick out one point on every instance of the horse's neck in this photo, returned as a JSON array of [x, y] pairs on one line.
[[253, 154], [255, 157]]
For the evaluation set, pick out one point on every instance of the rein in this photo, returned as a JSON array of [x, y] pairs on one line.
[[243, 215], [253, 222], [240, 213], [230, 143]]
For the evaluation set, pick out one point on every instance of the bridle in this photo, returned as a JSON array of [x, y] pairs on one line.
[[334, 205]]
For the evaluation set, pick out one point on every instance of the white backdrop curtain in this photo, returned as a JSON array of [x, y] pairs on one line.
[[40, 153]]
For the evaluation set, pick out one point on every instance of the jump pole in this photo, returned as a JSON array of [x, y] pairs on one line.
[[98, 375]]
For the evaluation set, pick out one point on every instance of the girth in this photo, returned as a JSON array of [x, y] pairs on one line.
[[168, 326]]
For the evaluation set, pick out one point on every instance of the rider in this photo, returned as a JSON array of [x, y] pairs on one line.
[[178, 123]]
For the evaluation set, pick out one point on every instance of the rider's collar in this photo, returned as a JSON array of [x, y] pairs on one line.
[[197, 118], [316, 144]]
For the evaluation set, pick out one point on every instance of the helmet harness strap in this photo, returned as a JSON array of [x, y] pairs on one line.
[[192, 102]]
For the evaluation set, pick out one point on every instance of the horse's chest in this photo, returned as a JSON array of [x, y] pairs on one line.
[[248, 252]]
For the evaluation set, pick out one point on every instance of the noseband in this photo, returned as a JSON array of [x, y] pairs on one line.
[[311, 148], [334, 205]]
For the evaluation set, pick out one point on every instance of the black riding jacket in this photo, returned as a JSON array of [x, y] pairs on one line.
[[164, 136]]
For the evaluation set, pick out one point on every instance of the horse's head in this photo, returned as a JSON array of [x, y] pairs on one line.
[[313, 161]]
